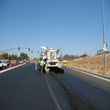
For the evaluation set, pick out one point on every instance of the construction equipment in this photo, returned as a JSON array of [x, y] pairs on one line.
[[51, 61]]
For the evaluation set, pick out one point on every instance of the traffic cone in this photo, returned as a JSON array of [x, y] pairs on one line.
[[15, 63], [10, 65]]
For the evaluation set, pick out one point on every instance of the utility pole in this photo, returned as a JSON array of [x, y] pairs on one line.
[[61, 54], [104, 43]]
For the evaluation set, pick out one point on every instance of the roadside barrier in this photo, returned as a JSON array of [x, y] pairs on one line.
[[10, 68]]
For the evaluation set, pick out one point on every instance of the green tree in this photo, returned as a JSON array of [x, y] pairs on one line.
[[68, 57], [24, 56], [10, 57], [5, 56], [16, 57], [84, 55]]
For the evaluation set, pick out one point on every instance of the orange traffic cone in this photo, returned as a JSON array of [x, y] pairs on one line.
[[15, 63], [10, 65]]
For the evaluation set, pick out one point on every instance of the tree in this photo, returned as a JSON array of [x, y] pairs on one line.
[[16, 57], [24, 56], [5, 56], [10, 57], [68, 57], [84, 55]]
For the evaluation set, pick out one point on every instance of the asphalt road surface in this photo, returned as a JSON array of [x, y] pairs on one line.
[[23, 88], [94, 89]]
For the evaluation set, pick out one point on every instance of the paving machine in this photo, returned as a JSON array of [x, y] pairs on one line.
[[51, 61]]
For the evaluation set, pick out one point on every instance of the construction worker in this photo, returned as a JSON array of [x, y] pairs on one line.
[[42, 63], [35, 65], [64, 64]]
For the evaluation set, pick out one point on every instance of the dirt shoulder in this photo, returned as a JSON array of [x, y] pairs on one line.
[[93, 64]]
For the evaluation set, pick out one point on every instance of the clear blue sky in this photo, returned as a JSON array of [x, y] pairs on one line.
[[73, 25]]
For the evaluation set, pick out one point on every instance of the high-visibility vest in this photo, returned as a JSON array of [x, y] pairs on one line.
[[35, 62], [42, 63], [64, 63]]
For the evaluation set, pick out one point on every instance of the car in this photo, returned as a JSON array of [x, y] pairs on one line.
[[26, 61], [3, 64], [21, 62]]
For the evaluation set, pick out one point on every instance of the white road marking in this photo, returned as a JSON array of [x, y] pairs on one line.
[[52, 94], [10, 68], [90, 74]]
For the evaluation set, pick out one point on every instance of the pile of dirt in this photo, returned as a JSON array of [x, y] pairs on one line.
[[94, 64]]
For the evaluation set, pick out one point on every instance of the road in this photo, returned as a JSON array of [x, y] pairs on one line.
[[23, 88], [94, 89]]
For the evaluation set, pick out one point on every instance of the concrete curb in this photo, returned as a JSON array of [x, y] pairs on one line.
[[90, 73], [11, 68]]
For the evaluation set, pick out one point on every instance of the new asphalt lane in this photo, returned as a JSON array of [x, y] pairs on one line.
[[23, 88], [92, 88]]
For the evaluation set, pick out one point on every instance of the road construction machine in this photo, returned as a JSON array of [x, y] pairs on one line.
[[50, 57]]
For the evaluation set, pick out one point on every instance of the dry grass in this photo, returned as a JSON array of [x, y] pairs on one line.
[[94, 64]]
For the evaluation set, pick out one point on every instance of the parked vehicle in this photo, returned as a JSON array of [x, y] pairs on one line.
[[26, 61], [3, 64], [21, 62]]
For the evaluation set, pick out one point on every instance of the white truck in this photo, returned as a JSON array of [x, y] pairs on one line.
[[51, 61]]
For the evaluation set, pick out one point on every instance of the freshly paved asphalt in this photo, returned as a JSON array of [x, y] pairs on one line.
[[93, 89], [25, 89]]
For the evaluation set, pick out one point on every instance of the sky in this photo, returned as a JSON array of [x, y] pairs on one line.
[[73, 26]]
